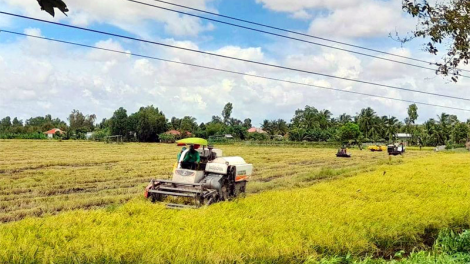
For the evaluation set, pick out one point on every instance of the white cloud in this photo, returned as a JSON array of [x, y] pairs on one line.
[[33, 32], [293, 6], [123, 14], [39, 77], [346, 18], [302, 14], [370, 18]]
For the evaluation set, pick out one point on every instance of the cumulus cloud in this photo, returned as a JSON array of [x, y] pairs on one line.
[[39, 77], [370, 18], [299, 5], [123, 14], [346, 19]]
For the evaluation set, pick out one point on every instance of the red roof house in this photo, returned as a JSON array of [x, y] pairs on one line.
[[256, 130], [176, 133], [51, 133]]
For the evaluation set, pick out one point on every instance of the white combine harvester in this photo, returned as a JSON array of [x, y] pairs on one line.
[[215, 178]]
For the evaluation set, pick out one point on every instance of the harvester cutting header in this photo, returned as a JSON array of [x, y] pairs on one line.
[[201, 175]]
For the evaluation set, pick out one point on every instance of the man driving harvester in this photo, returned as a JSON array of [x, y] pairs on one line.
[[192, 159]]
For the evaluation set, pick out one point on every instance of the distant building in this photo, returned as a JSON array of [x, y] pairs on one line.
[[89, 135], [176, 133], [51, 133], [256, 130], [228, 136], [403, 137]]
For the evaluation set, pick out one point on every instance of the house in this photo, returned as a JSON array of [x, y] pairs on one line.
[[89, 135], [176, 133], [51, 133], [403, 137], [256, 130]]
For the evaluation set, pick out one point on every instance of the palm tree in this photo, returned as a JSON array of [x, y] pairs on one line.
[[324, 118], [444, 126], [345, 118], [367, 121], [392, 125]]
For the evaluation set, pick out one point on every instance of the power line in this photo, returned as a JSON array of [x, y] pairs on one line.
[[297, 33], [287, 37], [232, 72], [237, 59]]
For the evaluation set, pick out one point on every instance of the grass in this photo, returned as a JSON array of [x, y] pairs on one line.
[[47, 177], [378, 212]]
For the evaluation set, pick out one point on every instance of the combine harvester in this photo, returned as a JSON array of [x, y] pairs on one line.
[[394, 150], [213, 179], [343, 153], [377, 148]]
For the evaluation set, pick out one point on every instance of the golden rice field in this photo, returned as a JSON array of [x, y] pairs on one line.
[[305, 205], [46, 177]]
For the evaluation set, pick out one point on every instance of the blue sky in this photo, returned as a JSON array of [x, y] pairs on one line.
[[39, 78]]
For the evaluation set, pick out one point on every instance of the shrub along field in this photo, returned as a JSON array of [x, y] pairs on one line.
[[46, 177], [318, 212]]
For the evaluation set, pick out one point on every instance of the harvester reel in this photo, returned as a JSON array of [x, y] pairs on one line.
[[156, 197], [210, 199]]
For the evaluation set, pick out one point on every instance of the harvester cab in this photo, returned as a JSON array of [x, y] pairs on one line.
[[394, 150], [213, 179], [343, 153]]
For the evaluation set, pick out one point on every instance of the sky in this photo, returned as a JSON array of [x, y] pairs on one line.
[[39, 77]]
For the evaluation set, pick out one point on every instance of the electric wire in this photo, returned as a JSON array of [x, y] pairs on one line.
[[297, 33], [233, 58], [291, 38], [230, 71]]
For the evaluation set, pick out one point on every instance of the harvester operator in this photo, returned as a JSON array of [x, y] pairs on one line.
[[192, 159], [179, 154]]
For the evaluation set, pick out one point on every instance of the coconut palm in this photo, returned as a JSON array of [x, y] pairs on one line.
[[367, 121]]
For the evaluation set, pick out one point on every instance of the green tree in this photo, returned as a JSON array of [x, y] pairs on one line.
[[118, 124], [445, 22], [149, 123], [460, 133], [175, 123], [5, 124], [17, 123], [247, 123], [367, 121], [324, 119], [306, 118], [344, 119], [188, 124], [227, 113], [391, 128], [80, 124], [214, 128], [410, 121], [349, 132]]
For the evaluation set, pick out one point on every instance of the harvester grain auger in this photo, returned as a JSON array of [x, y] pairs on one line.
[[215, 178]]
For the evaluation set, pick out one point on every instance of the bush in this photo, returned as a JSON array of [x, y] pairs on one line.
[[100, 135], [23, 136], [257, 136], [167, 138]]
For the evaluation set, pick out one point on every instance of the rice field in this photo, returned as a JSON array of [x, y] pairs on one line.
[[305, 206], [46, 177]]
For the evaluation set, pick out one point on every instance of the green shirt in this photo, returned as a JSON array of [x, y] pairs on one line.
[[192, 157]]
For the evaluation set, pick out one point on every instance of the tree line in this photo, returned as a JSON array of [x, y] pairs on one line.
[[149, 124]]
